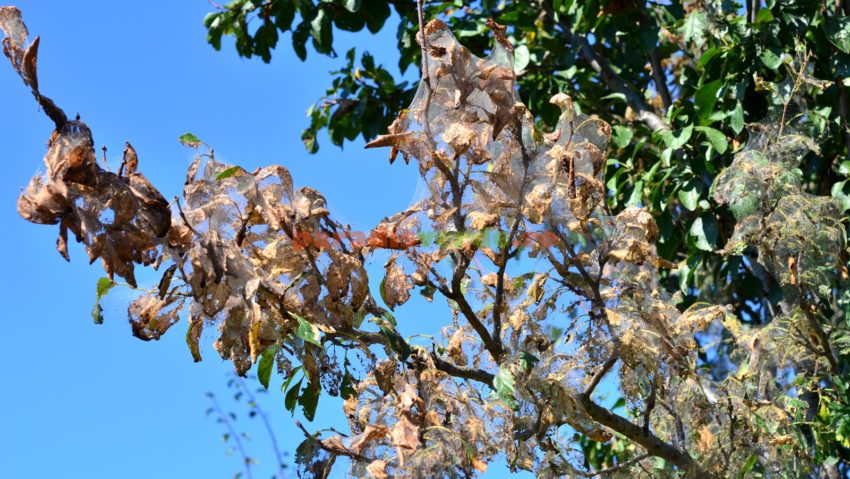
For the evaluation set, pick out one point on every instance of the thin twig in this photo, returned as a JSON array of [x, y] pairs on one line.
[[424, 46], [269, 430], [105, 163], [650, 405], [622, 465], [333, 451], [797, 82], [601, 373], [223, 418], [507, 254], [186, 220]]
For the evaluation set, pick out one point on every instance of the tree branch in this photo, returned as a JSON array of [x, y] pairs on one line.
[[659, 79], [601, 66], [451, 369], [649, 441], [460, 372], [493, 346]]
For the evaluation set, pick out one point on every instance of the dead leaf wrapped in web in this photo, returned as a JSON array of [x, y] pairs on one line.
[[122, 220]]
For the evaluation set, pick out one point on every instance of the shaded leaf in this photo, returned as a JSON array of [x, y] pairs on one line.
[[715, 137], [264, 369], [838, 31], [622, 136]]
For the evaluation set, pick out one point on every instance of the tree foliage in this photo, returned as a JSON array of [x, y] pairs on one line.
[[702, 279]]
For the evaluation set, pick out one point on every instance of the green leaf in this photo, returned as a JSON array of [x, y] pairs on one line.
[[381, 290], [736, 119], [844, 168], [748, 466], [521, 58], [308, 332], [693, 29], [504, 385], [622, 136], [636, 197], [615, 96], [299, 38], [689, 194], [309, 400], [764, 15], [308, 137], [770, 59], [715, 137], [264, 369], [527, 361], [291, 398], [97, 313], [284, 14], [190, 140], [797, 403], [322, 32], [285, 385], [709, 55], [706, 97], [839, 194], [351, 5], [103, 287], [376, 15], [228, 173], [704, 232], [346, 388], [679, 138], [837, 29], [395, 341]]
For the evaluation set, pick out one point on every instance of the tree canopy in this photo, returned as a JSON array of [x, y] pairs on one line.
[[641, 197]]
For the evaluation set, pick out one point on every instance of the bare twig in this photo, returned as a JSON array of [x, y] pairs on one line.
[[507, 254], [105, 163], [185, 220], [265, 418], [622, 465], [650, 405], [797, 82], [601, 373], [223, 417], [424, 46], [332, 450]]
